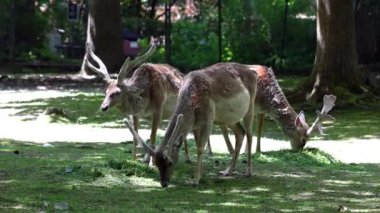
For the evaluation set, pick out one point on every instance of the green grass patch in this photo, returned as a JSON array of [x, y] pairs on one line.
[[103, 178]]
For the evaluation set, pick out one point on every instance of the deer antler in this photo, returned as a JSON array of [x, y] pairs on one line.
[[147, 148], [102, 70], [130, 65], [328, 104]]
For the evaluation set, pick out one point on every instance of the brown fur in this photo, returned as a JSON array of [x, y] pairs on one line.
[[271, 100], [158, 85]]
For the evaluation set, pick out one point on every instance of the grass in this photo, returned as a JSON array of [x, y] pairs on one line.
[[102, 178], [87, 177]]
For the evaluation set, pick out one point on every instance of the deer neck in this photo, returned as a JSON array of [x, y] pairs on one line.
[[274, 102], [185, 109]]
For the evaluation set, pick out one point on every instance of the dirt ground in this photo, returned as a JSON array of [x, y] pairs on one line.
[[15, 88]]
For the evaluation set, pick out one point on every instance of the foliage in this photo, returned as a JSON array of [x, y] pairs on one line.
[[245, 33], [194, 45], [254, 31]]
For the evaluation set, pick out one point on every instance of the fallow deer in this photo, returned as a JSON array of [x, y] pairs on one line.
[[271, 100], [151, 91], [223, 93]]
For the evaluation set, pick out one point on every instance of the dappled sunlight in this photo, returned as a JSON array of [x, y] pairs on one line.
[[362, 193], [7, 181], [109, 181], [94, 157], [233, 204], [41, 132], [288, 175], [19, 207], [302, 196], [351, 150], [143, 183], [340, 182], [139, 184], [250, 190], [95, 126], [207, 191]]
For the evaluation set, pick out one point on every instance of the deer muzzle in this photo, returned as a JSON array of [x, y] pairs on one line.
[[104, 108], [164, 184]]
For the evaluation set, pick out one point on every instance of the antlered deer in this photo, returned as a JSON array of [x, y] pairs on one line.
[[151, 91], [271, 100], [223, 93]]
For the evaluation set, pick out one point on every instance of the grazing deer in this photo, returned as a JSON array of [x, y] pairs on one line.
[[271, 100], [151, 91], [223, 93]]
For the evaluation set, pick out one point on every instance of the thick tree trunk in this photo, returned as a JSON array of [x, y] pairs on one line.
[[367, 20], [104, 33], [336, 59]]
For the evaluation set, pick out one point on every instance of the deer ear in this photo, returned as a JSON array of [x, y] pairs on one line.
[[300, 121]]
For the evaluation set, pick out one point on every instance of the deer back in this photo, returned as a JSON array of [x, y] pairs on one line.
[[151, 87]]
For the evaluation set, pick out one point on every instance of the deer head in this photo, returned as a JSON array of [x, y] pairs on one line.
[[166, 155], [303, 131], [117, 87]]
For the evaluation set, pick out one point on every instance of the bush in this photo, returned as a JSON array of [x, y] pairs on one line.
[[193, 45]]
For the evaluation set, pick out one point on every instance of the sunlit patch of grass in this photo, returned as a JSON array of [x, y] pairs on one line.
[[82, 108], [290, 82]]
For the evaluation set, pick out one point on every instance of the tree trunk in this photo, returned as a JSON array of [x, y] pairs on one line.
[[367, 33], [12, 34], [336, 60], [104, 33]]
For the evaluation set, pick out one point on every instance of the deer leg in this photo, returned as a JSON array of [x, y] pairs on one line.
[[208, 147], [248, 121], [239, 136], [259, 130], [135, 143], [203, 133], [186, 152], [153, 134], [227, 139]]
